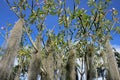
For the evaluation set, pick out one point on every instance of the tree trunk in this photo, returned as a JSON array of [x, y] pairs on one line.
[[91, 70], [104, 56], [11, 51], [51, 65], [48, 61], [48, 64], [70, 67], [35, 64], [17, 76], [90, 62], [34, 67], [113, 67]]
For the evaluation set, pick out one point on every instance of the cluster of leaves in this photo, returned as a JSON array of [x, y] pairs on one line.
[[22, 61]]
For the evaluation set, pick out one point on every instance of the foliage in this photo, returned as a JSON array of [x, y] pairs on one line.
[[79, 29]]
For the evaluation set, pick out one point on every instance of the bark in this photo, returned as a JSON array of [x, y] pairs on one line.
[[11, 50], [63, 72], [48, 64], [70, 67], [90, 62], [106, 65], [45, 76], [34, 67], [86, 66], [58, 61], [112, 64], [91, 73], [52, 63], [17, 76], [40, 65], [35, 63]]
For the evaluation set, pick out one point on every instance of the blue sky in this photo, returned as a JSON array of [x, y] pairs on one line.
[[7, 16]]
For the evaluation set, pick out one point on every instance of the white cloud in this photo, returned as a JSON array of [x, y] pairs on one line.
[[117, 47]]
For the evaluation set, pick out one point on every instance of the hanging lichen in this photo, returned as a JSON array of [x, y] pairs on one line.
[[11, 51]]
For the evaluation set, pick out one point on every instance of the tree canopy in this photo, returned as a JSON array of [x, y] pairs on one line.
[[51, 51]]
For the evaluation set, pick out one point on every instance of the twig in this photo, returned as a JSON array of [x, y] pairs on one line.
[[30, 38]]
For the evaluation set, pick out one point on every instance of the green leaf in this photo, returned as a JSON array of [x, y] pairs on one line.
[[79, 12], [15, 2], [60, 20], [108, 0], [115, 12], [33, 20], [77, 1], [33, 15], [53, 13], [90, 3], [36, 0], [93, 11], [40, 11], [46, 7], [117, 29], [24, 7]]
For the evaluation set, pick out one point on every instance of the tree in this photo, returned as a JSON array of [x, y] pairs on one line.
[[52, 55], [113, 66], [7, 60]]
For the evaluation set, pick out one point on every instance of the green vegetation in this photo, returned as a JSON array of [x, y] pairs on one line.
[[81, 34]]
